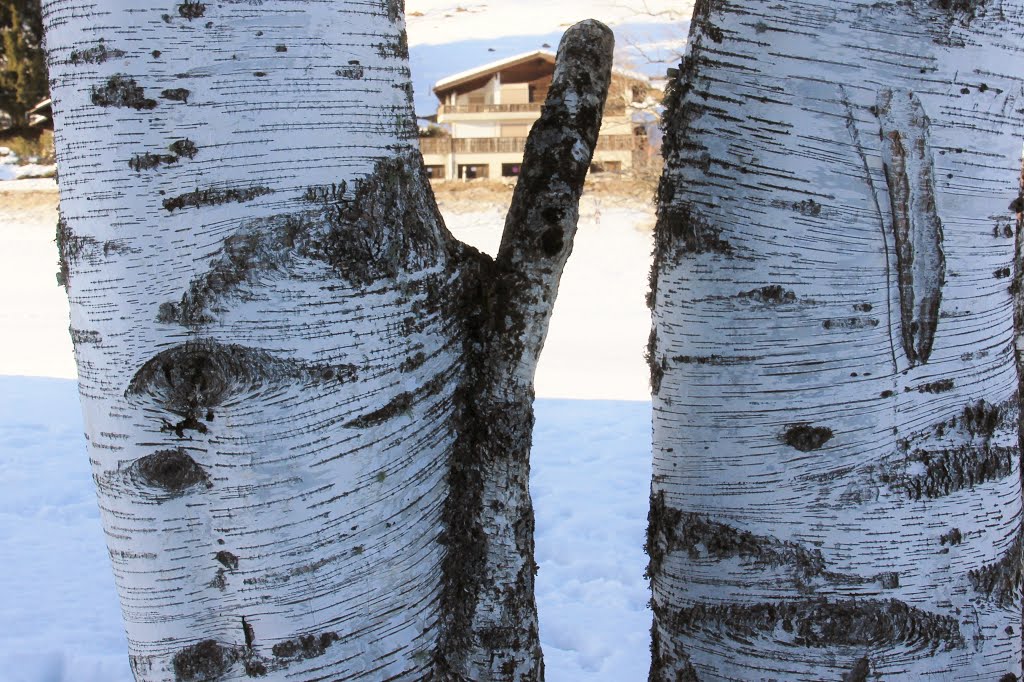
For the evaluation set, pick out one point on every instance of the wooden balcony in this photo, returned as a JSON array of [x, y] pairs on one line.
[[514, 145], [610, 108]]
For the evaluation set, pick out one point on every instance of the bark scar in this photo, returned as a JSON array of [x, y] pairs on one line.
[[910, 174]]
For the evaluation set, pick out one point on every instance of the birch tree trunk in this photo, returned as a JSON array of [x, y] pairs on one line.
[[308, 407], [836, 490]]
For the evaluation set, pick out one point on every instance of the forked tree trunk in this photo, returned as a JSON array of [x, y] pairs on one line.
[[308, 406], [836, 490]]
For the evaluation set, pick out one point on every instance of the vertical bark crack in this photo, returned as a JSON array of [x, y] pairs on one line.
[[920, 261]]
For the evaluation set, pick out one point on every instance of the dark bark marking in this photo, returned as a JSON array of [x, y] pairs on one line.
[[772, 294], [214, 197], [206, 661], [176, 94], [227, 559], [393, 8], [384, 225], [805, 437], [192, 379], [1001, 581], [808, 207], [940, 386], [387, 225], [950, 470], [671, 530], [79, 336], [121, 90], [394, 47], [820, 623], [402, 403], [551, 242], [1001, 273], [413, 362], [148, 161], [191, 9], [173, 471], [353, 71], [953, 537], [982, 418], [850, 323], [920, 261], [683, 231], [305, 647], [184, 148], [69, 249], [969, 8], [860, 672], [716, 360], [95, 55], [1008, 677]]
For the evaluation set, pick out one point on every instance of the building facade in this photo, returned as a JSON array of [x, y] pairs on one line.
[[484, 116]]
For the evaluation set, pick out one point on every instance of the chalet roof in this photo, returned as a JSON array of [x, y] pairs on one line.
[[519, 68]]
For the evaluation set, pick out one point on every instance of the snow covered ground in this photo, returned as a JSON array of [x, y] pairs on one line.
[[59, 619]]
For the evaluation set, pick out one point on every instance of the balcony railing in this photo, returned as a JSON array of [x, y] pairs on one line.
[[614, 108], [513, 145], [488, 108]]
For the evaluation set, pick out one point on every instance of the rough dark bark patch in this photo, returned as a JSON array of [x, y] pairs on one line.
[[206, 661], [227, 559], [850, 323], [394, 48], [191, 9], [173, 471], [950, 470], [122, 91], [353, 71], [184, 148], [684, 231], [214, 197], [176, 94], [823, 623], [1001, 581], [716, 360], [305, 646], [387, 225], [148, 161], [860, 672], [772, 294], [805, 437], [982, 418], [69, 248], [940, 386], [95, 55], [672, 530]]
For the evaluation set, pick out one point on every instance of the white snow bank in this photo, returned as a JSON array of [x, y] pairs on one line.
[[60, 621]]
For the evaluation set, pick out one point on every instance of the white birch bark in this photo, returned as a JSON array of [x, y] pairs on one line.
[[836, 490], [286, 362]]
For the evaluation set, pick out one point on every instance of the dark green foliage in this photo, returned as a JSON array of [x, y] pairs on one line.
[[23, 78]]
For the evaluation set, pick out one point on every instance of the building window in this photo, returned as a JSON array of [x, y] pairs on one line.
[[510, 170], [472, 172], [435, 172], [606, 167]]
